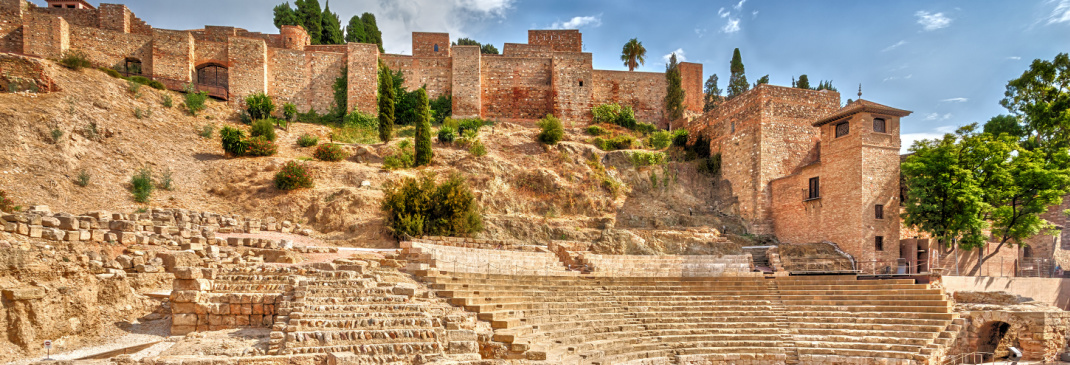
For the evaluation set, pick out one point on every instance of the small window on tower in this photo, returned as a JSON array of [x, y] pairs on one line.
[[814, 190], [843, 129], [581, 83], [1027, 252], [879, 125], [878, 211], [70, 6], [57, 6], [436, 48], [878, 243]]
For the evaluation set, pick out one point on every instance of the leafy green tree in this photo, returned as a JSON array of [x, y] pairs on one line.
[[466, 42], [332, 27], [803, 83], [1040, 98], [969, 183], [355, 31], [762, 80], [310, 15], [1008, 124], [387, 101], [372, 29], [674, 90], [285, 15], [737, 84], [713, 94], [633, 54], [423, 129], [488, 49]]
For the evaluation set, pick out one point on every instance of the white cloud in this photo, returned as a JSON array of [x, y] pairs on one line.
[[891, 78], [739, 6], [398, 19], [578, 22], [936, 21], [723, 13], [701, 32], [937, 116], [1061, 13], [955, 100], [754, 14], [1015, 58], [894, 46], [679, 56], [731, 26]]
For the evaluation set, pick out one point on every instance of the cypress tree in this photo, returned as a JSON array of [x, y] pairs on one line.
[[285, 15], [713, 94], [423, 129], [355, 31], [674, 91], [372, 29], [387, 100], [737, 84], [310, 15], [332, 27], [803, 83]]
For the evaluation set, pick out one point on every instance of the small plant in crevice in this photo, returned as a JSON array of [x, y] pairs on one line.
[[141, 185], [82, 179], [56, 134], [75, 60], [207, 130], [307, 140], [293, 176], [168, 102]]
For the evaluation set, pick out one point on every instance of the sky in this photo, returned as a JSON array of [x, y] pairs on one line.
[[947, 61]]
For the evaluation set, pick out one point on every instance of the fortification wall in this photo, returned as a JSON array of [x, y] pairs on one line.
[[435, 72], [572, 88], [46, 36], [172, 55], [516, 88], [290, 78], [110, 48], [248, 66], [643, 91], [324, 68], [79, 17], [363, 61], [11, 19], [527, 50], [209, 52], [426, 45], [467, 80], [569, 40], [691, 80]]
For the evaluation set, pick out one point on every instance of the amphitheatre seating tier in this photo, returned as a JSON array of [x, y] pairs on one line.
[[479, 260], [668, 265]]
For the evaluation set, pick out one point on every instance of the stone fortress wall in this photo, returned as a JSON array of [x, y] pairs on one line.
[[549, 74]]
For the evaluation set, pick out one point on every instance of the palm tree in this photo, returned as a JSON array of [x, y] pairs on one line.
[[633, 54]]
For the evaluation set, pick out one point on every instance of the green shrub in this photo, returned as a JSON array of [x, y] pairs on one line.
[[82, 179], [263, 128], [646, 158], [355, 134], [596, 130], [446, 134], [206, 131], [91, 131], [75, 60], [361, 120], [111, 72], [260, 146], [645, 128], [470, 124], [133, 87], [400, 157], [309, 117], [329, 152], [679, 137], [167, 101], [166, 181], [452, 123], [424, 153], [552, 130], [416, 207], [6, 204], [245, 118], [307, 140], [289, 111], [293, 176], [659, 140], [605, 113], [195, 100], [259, 106], [710, 165], [441, 108], [477, 149], [156, 85], [141, 185], [621, 142], [701, 147], [142, 113], [234, 141], [56, 134]]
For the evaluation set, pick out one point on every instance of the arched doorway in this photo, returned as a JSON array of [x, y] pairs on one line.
[[991, 339], [212, 74], [131, 67]]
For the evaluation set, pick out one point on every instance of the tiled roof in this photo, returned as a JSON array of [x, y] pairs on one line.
[[860, 106]]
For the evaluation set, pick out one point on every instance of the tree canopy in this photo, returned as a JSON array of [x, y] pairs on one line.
[[1040, 98], [483, 48], [325, 27], [674, 91], [737, 84], [712, 94], [633, 54], [332, 27], [803, 82]]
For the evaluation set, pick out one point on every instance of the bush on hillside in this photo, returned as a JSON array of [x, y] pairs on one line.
[[441, 108], [307, 140], [416, 207], [111, 72], [263, 128], [621, 142], [6, 204], [470, 124], [361, 120], [293, 176], [329, 152], [617, 114], [446, 134], [289, 112], [401, 157], [659, 140], [234, 141], [75, 60], [595, 130], [259, 106], [679, 137], [260, 146], [195, 100], [552, 130], [645, 128], [141, 185]]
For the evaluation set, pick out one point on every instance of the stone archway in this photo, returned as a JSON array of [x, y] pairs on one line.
[[992, 338]]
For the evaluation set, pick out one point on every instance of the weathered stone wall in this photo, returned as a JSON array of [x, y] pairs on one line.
[[294, 37], [46, 36], [209, 300], [79, 17], [691, 78], [11, 20], [363, 60], [172, 55], [115, 17], [248, 66], [290, 78], [325, 68], [467, 80], [527, 50], [110, 49], [572, 88], [430, 45], [20, 73], [569, 40], [643, 91], [435, 72], [210, 52], [516, 88]]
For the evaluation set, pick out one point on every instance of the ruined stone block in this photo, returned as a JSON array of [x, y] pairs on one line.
[[34, 231], [183, 319], [185, 296], [69, 223], [24, 293], [188, 273], [182, 330], [194, 284], [342, 358]]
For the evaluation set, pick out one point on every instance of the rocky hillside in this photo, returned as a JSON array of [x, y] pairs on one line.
[[527, 191]]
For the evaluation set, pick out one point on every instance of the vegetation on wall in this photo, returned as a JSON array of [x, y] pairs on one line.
[[674, 90]]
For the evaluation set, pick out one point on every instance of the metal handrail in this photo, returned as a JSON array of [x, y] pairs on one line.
[[967, 358]]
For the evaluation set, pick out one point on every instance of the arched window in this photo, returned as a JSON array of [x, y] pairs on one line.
[[1027, 252], [212, 74], [879, 125], [132, 66], [436, 48]]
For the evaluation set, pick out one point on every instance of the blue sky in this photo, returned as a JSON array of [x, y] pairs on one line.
[[948, 61]]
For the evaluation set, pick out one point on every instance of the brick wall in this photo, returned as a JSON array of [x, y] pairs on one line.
[[248, 66], [424, 44], [467, 80], [363, 77], [691, 77], [643, 91], [295, 37], [569, 40], [435, 72], [115, 17], [79, 17], [46, 36], [209, 52], [290, 78], [516, 88], [18, 72], [11, 14], [527, 50], [324, 69], [572, 87], [110, 48], [172, 55]]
